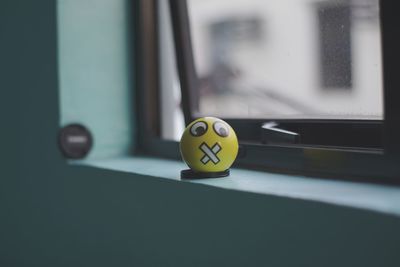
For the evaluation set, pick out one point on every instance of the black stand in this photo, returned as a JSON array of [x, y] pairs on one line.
[[189, 174]]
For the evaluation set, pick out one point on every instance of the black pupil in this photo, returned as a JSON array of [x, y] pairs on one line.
[[200, 130], [223, 132]]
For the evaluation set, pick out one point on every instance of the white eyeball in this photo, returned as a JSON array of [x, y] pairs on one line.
[[221, 129], [199, 128]]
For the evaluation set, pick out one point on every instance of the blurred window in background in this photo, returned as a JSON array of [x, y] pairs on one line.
[[301, 82], [258, 59], [335, 45], [287, 59]]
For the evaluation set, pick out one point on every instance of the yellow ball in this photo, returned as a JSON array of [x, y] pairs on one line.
[[209, 145]]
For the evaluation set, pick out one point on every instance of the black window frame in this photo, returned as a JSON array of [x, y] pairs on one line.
[[351, 163]]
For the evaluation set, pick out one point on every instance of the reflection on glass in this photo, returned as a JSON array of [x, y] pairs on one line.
[[305, 59]]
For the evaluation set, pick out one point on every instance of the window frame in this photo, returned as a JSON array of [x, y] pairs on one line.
[[334, 162]]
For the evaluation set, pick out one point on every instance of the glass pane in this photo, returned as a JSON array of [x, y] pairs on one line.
[[172, 121], [277, 59]]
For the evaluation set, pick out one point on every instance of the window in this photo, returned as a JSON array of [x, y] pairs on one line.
[[301, 82], [335, 34]]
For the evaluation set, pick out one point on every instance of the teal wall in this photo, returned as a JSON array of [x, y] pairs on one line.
[[55, 214], [94, 71]]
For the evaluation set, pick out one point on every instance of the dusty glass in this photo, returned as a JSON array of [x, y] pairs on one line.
[[295, 59]]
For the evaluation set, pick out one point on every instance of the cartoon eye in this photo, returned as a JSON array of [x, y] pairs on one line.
[[221, 129], [199, 128]]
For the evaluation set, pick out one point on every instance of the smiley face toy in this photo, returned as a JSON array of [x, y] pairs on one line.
[[209, 146]]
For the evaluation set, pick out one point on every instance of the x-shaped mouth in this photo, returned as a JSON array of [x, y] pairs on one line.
[[210, 153]]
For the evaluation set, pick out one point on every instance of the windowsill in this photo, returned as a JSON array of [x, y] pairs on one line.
[[377, 198]]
